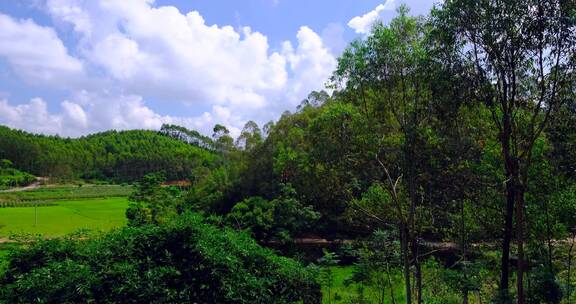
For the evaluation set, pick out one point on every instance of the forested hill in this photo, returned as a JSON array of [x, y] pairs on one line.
[[117, 155]]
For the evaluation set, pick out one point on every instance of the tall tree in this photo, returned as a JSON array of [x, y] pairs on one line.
[[385, 76], [521, 63]]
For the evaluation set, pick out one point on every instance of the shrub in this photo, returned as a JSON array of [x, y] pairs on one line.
[[10, 177], [280, 219], [185, 260]]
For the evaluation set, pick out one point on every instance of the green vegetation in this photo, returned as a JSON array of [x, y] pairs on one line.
[[439, 169], [176, 262], [10, 177], [278, 220], [119, 156], [441, 289], [63, 192], [151, 203], [64, 217], [59, 210], [5, 249], [55, 211]]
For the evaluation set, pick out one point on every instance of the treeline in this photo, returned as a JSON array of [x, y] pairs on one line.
[[113, 155]]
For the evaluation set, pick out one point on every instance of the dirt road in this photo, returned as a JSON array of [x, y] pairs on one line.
[[34, 185]]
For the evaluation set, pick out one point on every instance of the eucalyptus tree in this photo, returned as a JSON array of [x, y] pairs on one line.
[[385, 75], [520, 61], [250, 137]]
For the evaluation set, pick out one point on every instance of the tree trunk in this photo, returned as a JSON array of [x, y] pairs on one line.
[[520, 240], [390, 285], [463, 247], [406, 262], [417, 271], [549, 237], [510, 169], [569, 280], [411, 227], [507, 238]]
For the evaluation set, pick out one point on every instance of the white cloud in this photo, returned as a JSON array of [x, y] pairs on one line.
[[138, 51], [74, 114], [32, 116], [36, 53], [311, 63], [163, 53], [363, 24], [90, 112]]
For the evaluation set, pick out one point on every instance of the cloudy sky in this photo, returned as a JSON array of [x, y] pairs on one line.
[[72, 67]]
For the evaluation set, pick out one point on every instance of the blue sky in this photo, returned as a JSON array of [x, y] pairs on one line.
[[72, 67]]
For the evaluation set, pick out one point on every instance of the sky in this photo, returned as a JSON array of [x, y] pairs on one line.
[[74, 67]]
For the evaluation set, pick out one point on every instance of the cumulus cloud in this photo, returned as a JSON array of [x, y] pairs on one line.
[[36, 53], [91, 112], [139, 51], [163, 53], [363, 24], [32, 116], [310, 61], [74, 114]]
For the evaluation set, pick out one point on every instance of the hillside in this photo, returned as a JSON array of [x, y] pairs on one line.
[[117, 155]]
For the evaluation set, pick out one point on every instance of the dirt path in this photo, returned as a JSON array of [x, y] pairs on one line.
[[34, 185]]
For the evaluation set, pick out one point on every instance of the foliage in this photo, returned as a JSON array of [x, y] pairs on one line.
[[280, 219], [440, 136], [326, 274], [10, 177], [377, 257], [67, 192], [114, 155], [181, 261], [544, 288], [151, 202]]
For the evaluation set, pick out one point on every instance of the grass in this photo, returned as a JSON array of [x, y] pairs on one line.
[[346, 293], [63, 192], [435, 289], [64, 217], [61, 210]]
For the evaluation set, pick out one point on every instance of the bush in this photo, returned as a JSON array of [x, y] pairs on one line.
[[280, 219], [543, 288], [186, 260], [10, 177]]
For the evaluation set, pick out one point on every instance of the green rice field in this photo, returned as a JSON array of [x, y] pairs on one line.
[[64, 217], [57, 211]]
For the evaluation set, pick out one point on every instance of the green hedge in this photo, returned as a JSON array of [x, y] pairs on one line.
[[179, 262]]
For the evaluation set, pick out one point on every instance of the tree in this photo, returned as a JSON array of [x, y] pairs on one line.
[[386, 77], [151, 202], [520, 61], [280, 219], [376, 259], [330, 259], [314, 99], [250, 137]]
